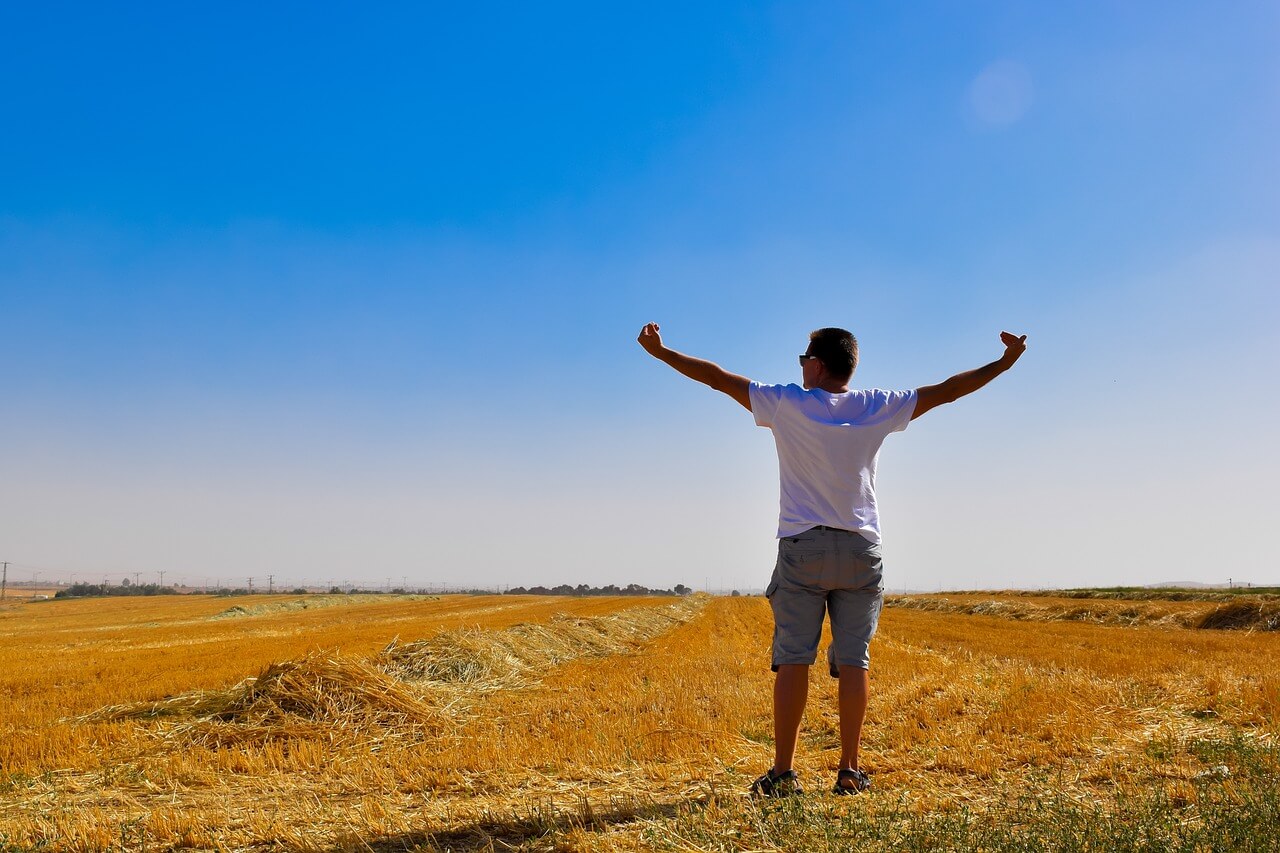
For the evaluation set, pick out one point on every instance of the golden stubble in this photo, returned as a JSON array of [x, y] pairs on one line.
[[598, 744]]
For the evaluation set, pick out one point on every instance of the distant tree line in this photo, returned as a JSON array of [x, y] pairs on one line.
[[84, 590], [583, 589], [80, 590]]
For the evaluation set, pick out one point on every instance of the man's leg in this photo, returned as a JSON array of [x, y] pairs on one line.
[[790, 691], [799, 603], [855, 613], [855, 689]]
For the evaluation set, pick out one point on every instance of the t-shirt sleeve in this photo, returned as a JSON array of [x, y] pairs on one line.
[[899, 406], [764, 402]]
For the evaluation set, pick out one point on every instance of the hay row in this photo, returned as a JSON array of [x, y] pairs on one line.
[[1241, 614], [408, 690], [496, 660], [1245, 614], [313, 602]]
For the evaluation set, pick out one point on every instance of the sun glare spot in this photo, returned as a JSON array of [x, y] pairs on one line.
[[1002, 93]]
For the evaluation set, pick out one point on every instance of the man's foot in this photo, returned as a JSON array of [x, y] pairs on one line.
[[771, 784], [852, 782]]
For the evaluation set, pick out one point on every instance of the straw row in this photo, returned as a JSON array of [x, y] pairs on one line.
[[408, 690], [1245, 613], [312, 603], [494, 660]]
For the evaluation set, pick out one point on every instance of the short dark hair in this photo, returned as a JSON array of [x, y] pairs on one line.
[[837, 349]]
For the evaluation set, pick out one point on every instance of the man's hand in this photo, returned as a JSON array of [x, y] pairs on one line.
[[1014, 347], [650, 339]]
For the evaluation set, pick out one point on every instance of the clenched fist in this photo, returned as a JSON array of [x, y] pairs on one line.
[[650, 339]]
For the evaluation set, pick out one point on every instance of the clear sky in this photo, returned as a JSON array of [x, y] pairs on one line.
[[348, 293]]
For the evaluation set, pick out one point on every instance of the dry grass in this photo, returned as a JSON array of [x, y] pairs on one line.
[[310, 602], [512, 729], [63, 659], [407, 691], [1217, 612]]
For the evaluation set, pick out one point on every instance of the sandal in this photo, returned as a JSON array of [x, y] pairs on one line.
[[784, 784], [861, 781]]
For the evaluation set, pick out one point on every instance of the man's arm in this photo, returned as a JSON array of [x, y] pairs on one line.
[[708, 373], [932, 396]]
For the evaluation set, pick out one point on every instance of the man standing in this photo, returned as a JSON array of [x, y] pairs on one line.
[[828, 441]]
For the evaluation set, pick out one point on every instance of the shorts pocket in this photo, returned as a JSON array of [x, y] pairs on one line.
[[801, 569]]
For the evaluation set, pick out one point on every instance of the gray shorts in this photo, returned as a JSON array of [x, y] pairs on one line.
[[820, 570]]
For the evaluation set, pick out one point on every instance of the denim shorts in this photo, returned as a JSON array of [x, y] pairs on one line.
[[825, 570]]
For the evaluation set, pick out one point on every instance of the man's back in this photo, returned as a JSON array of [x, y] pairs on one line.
[[828, 445]]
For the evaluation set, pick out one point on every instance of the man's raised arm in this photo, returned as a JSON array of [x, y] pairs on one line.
[[931, 396], [708, 373]]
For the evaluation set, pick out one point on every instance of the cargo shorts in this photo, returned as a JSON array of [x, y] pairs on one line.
[[825, 570]]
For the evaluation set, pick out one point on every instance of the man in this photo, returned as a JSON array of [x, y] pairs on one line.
[[828, 440]]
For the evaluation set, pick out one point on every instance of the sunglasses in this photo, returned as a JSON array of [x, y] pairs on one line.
[[805, 357]]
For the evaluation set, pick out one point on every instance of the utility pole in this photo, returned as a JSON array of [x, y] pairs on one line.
[[251, 586], [136, 576], [162, 578], [271, 584], [4, 580]]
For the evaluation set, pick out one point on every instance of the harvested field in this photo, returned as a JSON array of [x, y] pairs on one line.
[[499, 723], [311, 602], [1268, 593], [1215, 612], [407, 690]]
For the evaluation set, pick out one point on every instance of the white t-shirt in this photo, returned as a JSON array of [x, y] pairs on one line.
[[828, 445]]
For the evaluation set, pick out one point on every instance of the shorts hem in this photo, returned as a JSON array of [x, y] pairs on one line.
[[834, 668], [810, 662]]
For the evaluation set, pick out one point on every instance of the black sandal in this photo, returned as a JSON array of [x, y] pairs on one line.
[[861, 781], [784, 784]]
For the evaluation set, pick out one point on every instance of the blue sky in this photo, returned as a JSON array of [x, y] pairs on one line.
[[337, 293]]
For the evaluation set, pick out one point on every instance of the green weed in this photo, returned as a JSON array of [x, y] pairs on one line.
[[1235, 811]]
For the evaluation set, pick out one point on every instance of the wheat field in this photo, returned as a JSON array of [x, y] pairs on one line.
[[553, 723]]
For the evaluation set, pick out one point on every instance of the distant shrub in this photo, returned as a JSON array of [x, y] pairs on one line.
[[97, 590]]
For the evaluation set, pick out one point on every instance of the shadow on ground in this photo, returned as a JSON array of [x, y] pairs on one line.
[[541, 828]]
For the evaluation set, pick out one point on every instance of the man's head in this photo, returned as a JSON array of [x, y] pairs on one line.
[[837, 351]]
